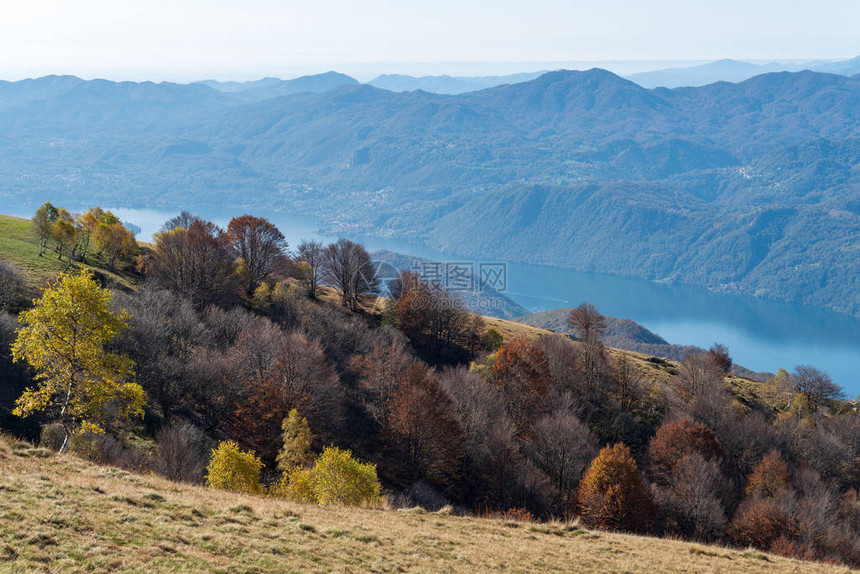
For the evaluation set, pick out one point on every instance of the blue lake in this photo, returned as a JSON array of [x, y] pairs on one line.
[[761, 335]]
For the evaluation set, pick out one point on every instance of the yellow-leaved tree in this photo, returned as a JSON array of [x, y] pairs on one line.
[[63, 338], [297, 443]]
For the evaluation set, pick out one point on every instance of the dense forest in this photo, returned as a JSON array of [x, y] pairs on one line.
[[233, 335]]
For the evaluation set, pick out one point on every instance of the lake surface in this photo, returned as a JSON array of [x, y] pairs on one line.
[[761, 335]]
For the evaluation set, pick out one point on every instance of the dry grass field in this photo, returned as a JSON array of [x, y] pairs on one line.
[[61, 514]]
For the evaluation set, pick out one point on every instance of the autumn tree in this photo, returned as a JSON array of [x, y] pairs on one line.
[[86, 226], [769, 478], [43, 223], [259, 244], [674, 440], [433, 318], [163, 335], [494, 472], [231, 468], [694, 498], [337, 477], [612, 494], [111, 237], [348, 268], [422, 424], [296, 451], [760, 522], [63, 339], [520, 371], [563, 362], [627, 382], [195, 261], [309, 265], [380, 373], [689, 483], [586, 322], [64, 234], [299, 378]]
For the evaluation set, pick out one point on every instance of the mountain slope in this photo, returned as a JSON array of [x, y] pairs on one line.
[[748, 187], [76, 516]]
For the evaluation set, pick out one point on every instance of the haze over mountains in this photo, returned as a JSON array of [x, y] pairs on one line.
[[735, 71], [748, 187]]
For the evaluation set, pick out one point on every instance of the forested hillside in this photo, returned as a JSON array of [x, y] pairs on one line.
[[275, 370], [748, 187]]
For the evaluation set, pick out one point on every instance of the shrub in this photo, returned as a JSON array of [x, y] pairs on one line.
[[612, 494], [105, 449], [231, 468], [182, 453], [336, 478], [52, 436], [296, 486]]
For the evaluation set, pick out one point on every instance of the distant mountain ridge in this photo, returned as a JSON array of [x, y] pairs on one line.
[[735, 71], [448, 84], [750, 187], [267, 88]]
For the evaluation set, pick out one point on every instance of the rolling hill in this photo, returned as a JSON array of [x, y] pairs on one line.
[[83, 517], [748, 188]]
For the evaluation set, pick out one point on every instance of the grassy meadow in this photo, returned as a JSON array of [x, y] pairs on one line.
[[59, 513]]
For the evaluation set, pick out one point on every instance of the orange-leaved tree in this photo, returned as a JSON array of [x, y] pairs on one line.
[[769, 478], [612, 494], [676, 439]]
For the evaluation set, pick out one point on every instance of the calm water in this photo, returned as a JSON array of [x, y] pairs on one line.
[[761, 335]]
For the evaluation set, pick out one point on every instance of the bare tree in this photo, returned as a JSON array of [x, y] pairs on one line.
[[349, 269], [816, 385], [310, 259], [562, 447], [586, 323], [627, 381], [719, 355], [697, 374], [693, 500], [589, 326], [259, 244]]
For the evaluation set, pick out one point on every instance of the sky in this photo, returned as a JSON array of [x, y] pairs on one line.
[[183, 40]]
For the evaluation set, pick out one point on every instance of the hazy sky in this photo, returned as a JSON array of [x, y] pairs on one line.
[[183, 40]]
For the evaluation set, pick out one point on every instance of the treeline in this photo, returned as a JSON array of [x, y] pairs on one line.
[[230, 332]]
